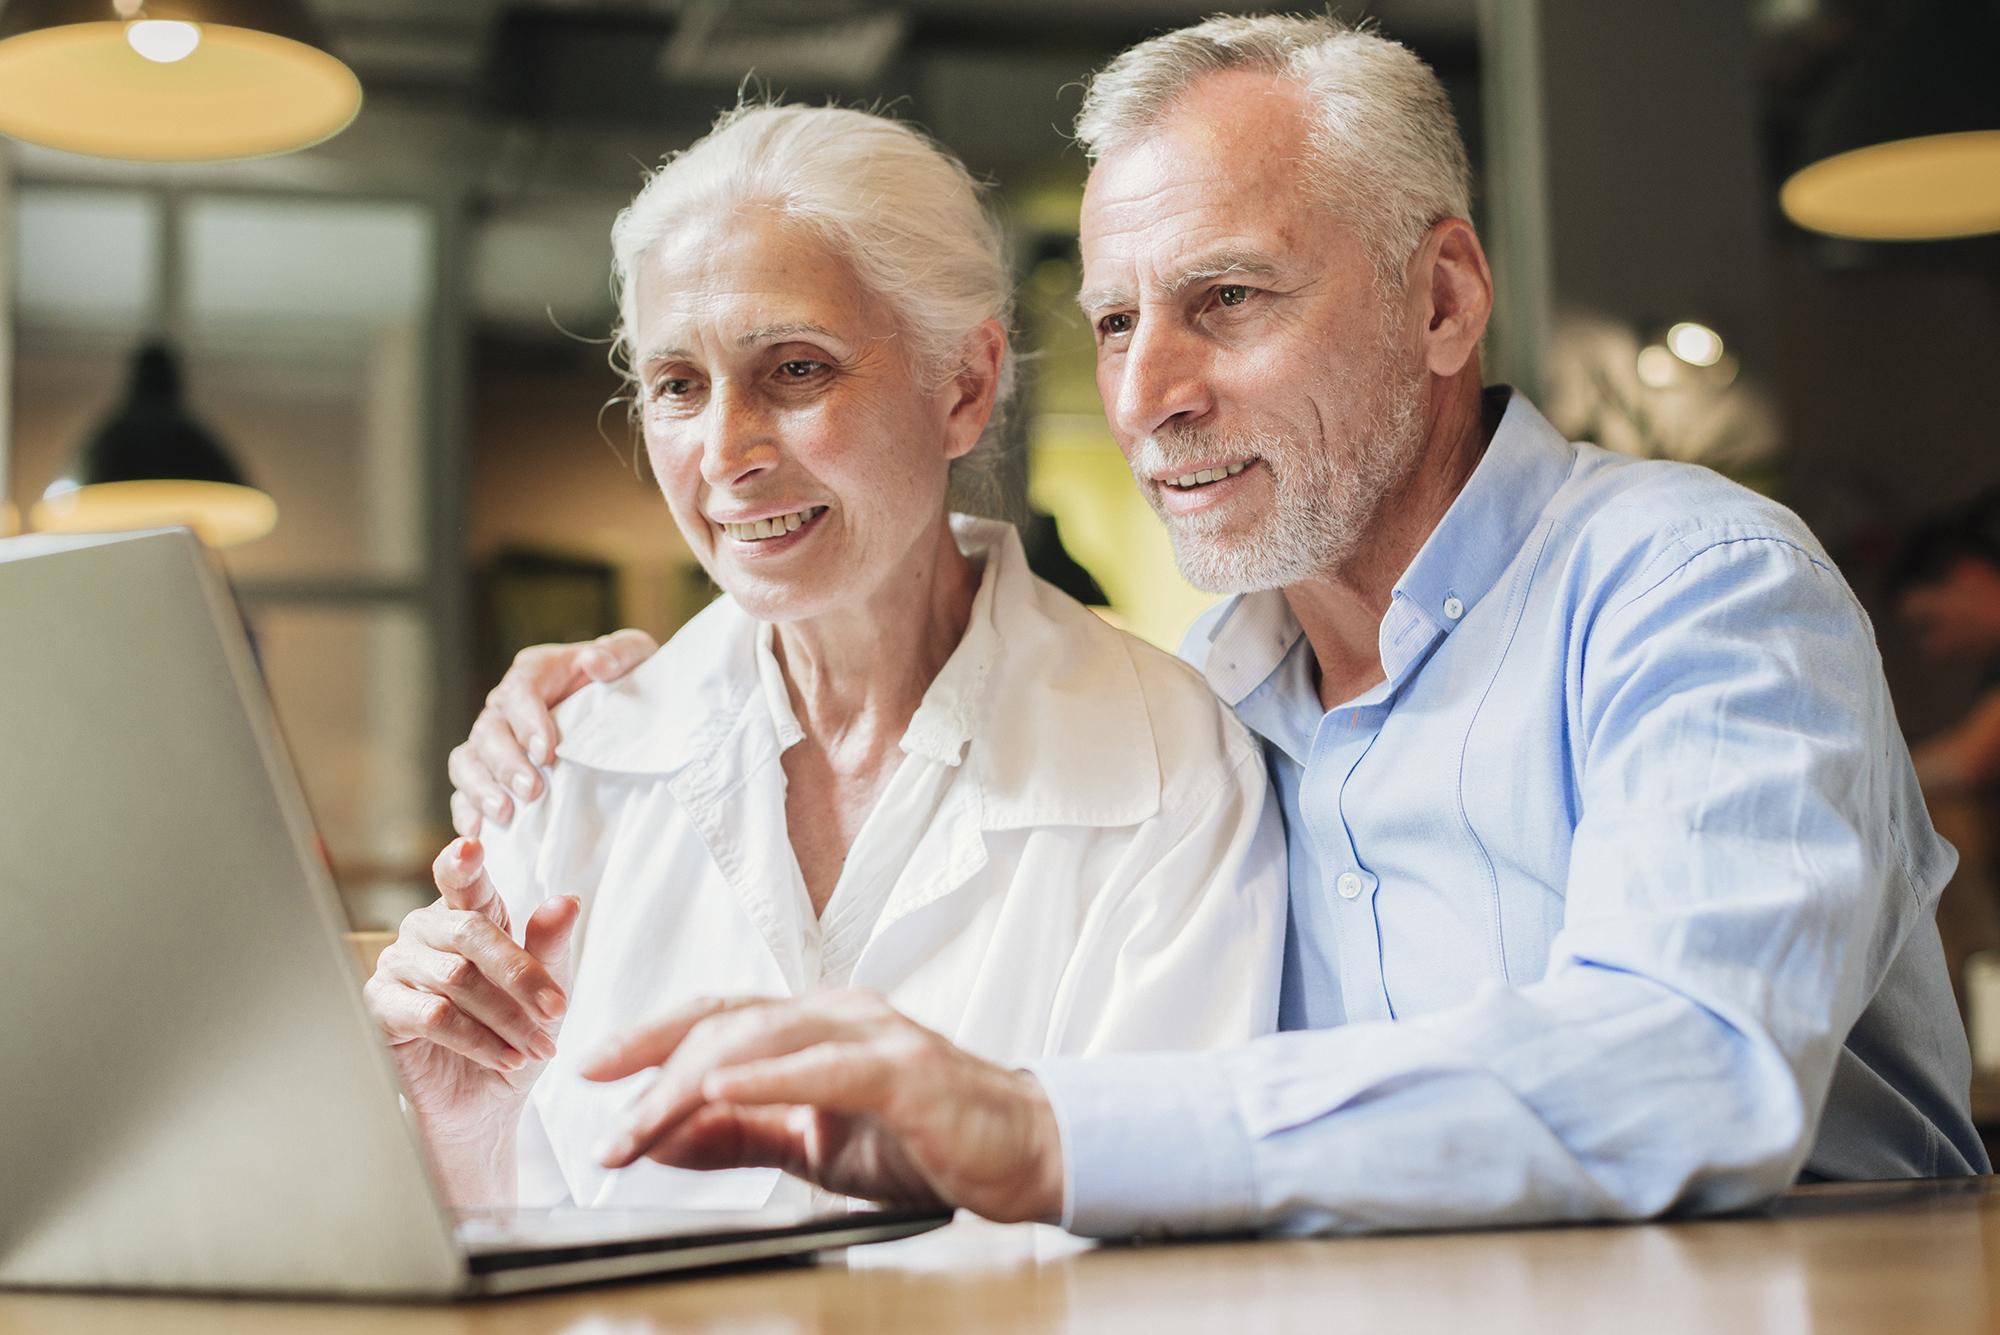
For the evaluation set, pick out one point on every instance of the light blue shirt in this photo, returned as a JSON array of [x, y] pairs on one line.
[[1615, 897]]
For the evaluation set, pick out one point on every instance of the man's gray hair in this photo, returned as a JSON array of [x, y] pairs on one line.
[[1385, 149], [903, 212]]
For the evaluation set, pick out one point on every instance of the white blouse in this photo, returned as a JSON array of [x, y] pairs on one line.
[[1079, 852]]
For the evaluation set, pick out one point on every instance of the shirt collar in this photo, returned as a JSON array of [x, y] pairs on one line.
[[1239, 644], [1486, 526], [1040, 696]]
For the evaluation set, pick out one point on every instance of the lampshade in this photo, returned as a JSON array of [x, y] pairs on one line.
[[1906, 144], [149, 465], [219, 78]]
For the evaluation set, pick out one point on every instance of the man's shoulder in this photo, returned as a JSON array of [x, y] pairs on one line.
[[1622, 520]]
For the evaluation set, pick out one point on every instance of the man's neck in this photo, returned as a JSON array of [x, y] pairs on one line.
[[1341, 612]]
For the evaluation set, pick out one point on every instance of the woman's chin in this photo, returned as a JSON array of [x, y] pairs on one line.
[[769, 599]]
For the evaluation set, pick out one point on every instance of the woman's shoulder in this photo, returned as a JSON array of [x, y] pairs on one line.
[[654, 714], [1196, 737]]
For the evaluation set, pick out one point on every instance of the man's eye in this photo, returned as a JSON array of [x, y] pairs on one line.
[[1232, 294], [1114, 324]]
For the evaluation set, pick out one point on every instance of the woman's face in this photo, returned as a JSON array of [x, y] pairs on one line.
[[801, 458]]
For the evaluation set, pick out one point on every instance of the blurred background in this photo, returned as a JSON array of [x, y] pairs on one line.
[[396, 338]]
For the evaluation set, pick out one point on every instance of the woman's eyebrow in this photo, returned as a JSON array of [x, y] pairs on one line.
[[772, 333]]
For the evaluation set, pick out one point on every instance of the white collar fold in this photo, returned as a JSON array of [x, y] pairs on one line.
[[1041, 698]]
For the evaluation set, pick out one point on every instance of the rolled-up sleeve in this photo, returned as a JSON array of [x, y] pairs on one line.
[[1737, 886]]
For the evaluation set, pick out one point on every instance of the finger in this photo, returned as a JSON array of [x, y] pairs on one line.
[[465, 816], [547, 937], [459, 981], [719, 1042], [501, 746], [505, 964], [532, 730], [612, 656], [471, 776], [650, 1044], [460, 874], [835, 1077], [723, 1136], [406, 1015]]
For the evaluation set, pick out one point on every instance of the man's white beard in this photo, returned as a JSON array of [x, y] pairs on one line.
[[1322, 503]]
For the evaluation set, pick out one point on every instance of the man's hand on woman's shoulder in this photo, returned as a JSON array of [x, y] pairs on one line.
[[516, 732]]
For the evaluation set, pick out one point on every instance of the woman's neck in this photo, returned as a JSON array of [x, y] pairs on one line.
[[859, 674]]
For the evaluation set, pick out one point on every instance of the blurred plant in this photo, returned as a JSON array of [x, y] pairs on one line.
[[1674, 393]]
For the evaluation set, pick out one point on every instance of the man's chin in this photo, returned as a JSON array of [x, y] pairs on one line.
[[1215, 569]]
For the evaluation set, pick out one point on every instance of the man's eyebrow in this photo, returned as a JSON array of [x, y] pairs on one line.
[[1228, 262]]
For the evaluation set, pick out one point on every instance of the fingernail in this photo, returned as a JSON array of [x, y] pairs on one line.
[[513, 1060], [542, 1047], [538, 748], [592, 663], [522, 784], [551, 1002], [610, 1150], [493, 805]]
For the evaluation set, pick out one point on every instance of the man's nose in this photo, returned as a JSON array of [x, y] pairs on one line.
[[737, 441], [1162, 380]]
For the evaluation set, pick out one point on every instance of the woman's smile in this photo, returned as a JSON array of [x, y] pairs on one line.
[[769, 536]]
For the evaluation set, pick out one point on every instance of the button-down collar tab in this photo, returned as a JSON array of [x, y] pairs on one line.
[[1490, 520]]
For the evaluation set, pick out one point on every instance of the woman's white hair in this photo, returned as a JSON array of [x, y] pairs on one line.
[[1385, 147], [903, 212]]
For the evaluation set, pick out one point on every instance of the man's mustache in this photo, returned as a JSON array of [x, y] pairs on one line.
[[1170, 453]]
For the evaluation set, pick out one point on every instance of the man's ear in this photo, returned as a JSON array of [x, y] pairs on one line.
[[1451, 289], [971, 393]]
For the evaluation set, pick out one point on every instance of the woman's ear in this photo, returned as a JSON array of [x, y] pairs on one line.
[[970, 394]]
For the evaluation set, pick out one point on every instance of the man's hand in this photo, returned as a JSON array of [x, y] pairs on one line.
[[843, 1090], [515, 731]]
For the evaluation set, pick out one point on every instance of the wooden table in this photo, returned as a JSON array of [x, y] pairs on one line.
[[1881, 1257]]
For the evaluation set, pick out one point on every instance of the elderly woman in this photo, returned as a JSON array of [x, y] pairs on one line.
[[889, 757]]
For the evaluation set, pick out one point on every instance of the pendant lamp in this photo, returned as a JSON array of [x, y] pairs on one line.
[[170, 80], [1905, 146], [149, 465]]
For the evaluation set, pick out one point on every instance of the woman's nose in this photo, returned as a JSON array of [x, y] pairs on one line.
[[737, 443]]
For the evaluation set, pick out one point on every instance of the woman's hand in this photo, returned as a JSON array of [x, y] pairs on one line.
[[515, 731], [843, 1090], [470, 1016]]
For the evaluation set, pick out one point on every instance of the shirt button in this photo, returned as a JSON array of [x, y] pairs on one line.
[[1453, 609], [1349, 885]]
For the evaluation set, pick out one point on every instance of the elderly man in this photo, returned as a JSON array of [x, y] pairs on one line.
[[1611, 887]]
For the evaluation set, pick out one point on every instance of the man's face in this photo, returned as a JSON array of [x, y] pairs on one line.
[[1264, 386]]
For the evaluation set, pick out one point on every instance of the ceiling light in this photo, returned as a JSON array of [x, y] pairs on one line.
[[1695, 344], [150, 465], [163, 41], [170, 80], [1906, 145]]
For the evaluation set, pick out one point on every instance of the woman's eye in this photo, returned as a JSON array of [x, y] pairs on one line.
[[1232, 294], [1119, 322], [799, 369]]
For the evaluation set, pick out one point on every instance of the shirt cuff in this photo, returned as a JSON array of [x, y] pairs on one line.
[[1150, 1143]]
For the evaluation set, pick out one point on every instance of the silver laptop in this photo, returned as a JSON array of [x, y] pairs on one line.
[[191, 1094]]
